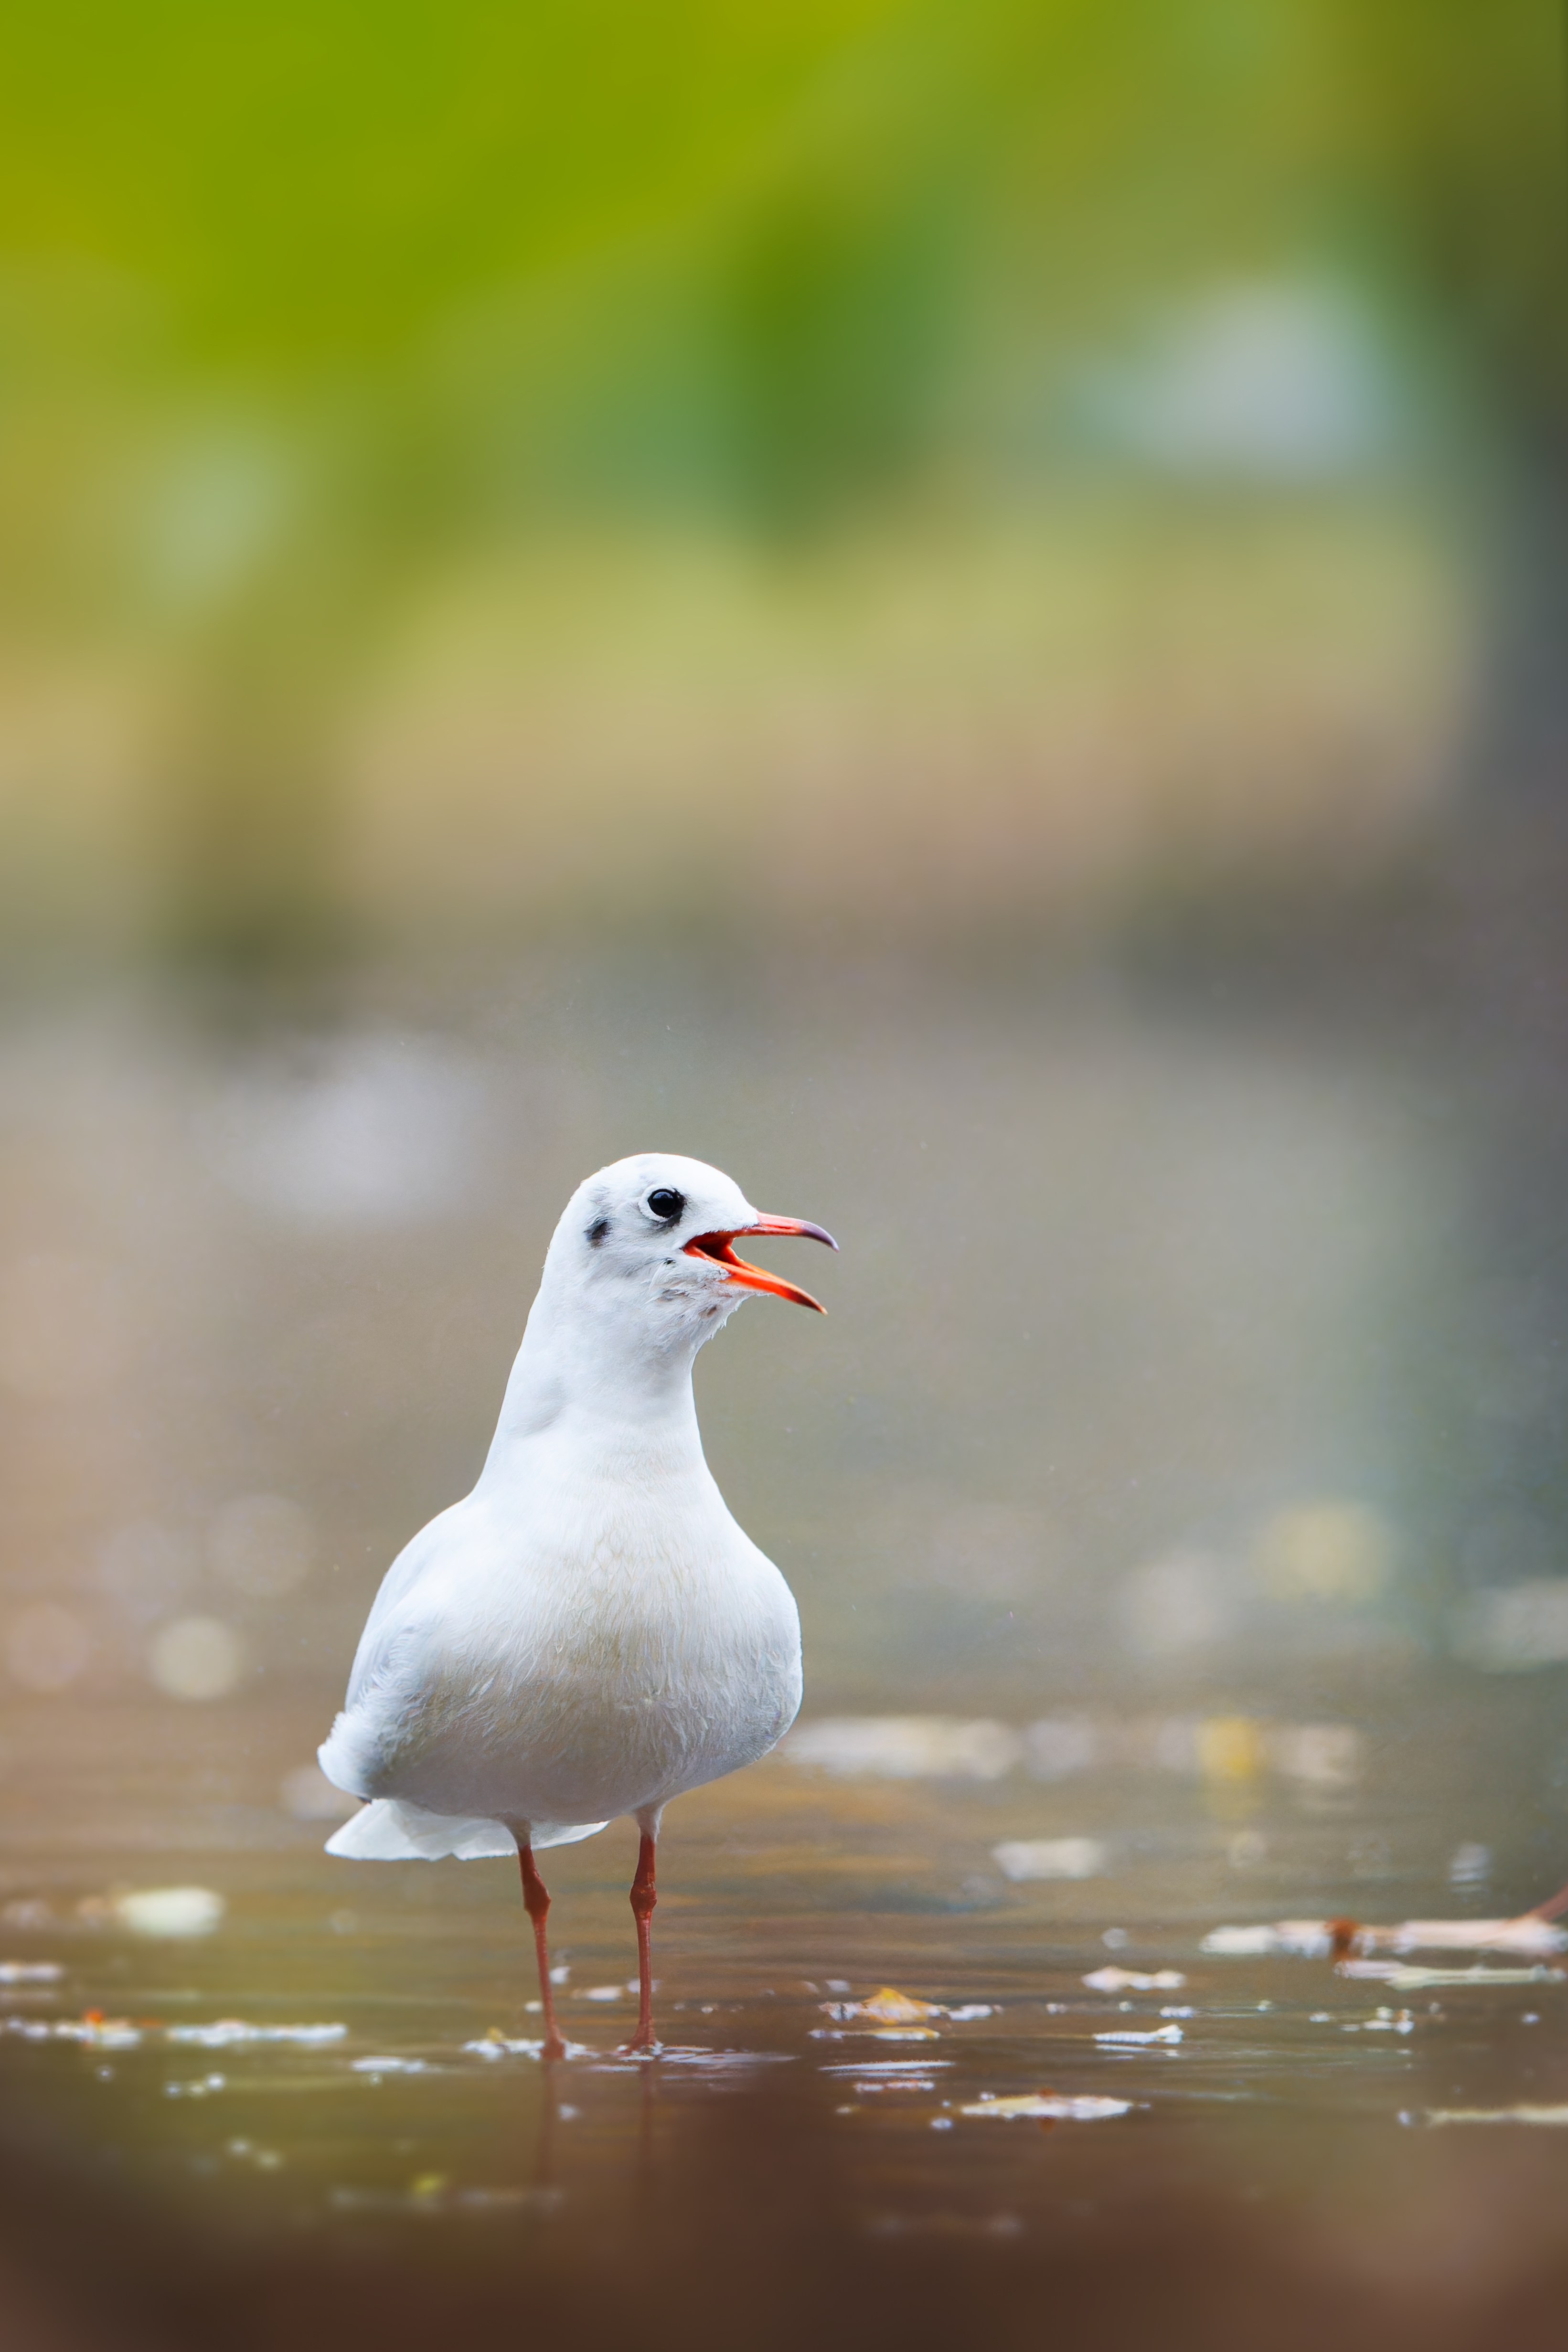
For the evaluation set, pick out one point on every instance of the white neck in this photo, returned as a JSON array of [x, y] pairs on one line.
[[590, 1367]]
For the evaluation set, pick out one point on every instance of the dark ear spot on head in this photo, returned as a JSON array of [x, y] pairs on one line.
[[597, 1231]]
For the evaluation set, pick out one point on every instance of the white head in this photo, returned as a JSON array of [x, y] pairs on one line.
[[645, 1251]]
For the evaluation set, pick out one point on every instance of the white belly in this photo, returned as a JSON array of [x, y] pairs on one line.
[[576, 1689]]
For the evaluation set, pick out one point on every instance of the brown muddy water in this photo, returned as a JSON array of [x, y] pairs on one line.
[[1170, 1500]]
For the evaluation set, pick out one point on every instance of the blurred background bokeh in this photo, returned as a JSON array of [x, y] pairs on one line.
[[898, 467], [958, 606]]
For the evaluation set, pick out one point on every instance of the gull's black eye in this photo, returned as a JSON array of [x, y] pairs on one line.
[[666, 1204]]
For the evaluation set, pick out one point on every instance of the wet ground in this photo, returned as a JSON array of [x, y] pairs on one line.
[[1142, 1494]]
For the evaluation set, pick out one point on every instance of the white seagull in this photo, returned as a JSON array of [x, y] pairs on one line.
[[588, 1633]]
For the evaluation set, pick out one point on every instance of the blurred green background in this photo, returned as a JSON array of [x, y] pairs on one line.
[[955, 605], [902, 465]]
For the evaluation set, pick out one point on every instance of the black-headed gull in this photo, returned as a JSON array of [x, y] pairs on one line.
[[588, 1633]]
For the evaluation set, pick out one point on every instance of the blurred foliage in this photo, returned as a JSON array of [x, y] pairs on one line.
[[295, 300], [837, 202]]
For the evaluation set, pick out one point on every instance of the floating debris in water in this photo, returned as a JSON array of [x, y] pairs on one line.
[[1048, 2107], [1550, 2118], [230, 2033], [1528, 1934], [724, 2061], [496, 2044], [1400, 1978], [1319, 1939], [891, 2007], [96, 2031], [1159, 2033], [891, 2074], [168, 1911], [1069, 1857], [201, 2088], [887, 2005], [14, 1972], [375, 2067], [1113, 1979], [1308, 1938]]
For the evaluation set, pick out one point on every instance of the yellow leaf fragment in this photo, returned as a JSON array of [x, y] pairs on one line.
[[895, 2007]]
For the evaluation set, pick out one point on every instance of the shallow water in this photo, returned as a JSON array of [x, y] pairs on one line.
[[1145, 1461], [404, 2139]]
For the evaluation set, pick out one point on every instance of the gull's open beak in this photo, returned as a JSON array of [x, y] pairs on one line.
[[757, 1277]]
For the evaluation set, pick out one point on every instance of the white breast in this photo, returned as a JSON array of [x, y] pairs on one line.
[[618, 1641]]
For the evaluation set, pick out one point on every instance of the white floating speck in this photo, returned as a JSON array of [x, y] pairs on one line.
[[230, 2032], [494, 2046], [1050, 2108], [1114, 1980], [169, 1911], [892, 2069], [1402, 1978], [1550, 2118], [1159, 2033], [97, 2032], [1307, 1939], [1529, 1937], [1069, 1857]]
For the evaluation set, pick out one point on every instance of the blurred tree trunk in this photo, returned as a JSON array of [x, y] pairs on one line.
[[1461, 119]]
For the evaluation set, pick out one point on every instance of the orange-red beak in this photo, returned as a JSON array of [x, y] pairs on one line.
[[757, 1277]]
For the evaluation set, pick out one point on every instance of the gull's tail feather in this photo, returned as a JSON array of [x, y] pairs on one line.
[[389, 1829]]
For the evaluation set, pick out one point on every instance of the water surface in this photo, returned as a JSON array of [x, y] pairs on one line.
[[1144, 1492]]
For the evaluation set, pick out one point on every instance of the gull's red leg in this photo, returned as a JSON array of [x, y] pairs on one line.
[[536, 1897], [643, 1900]]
